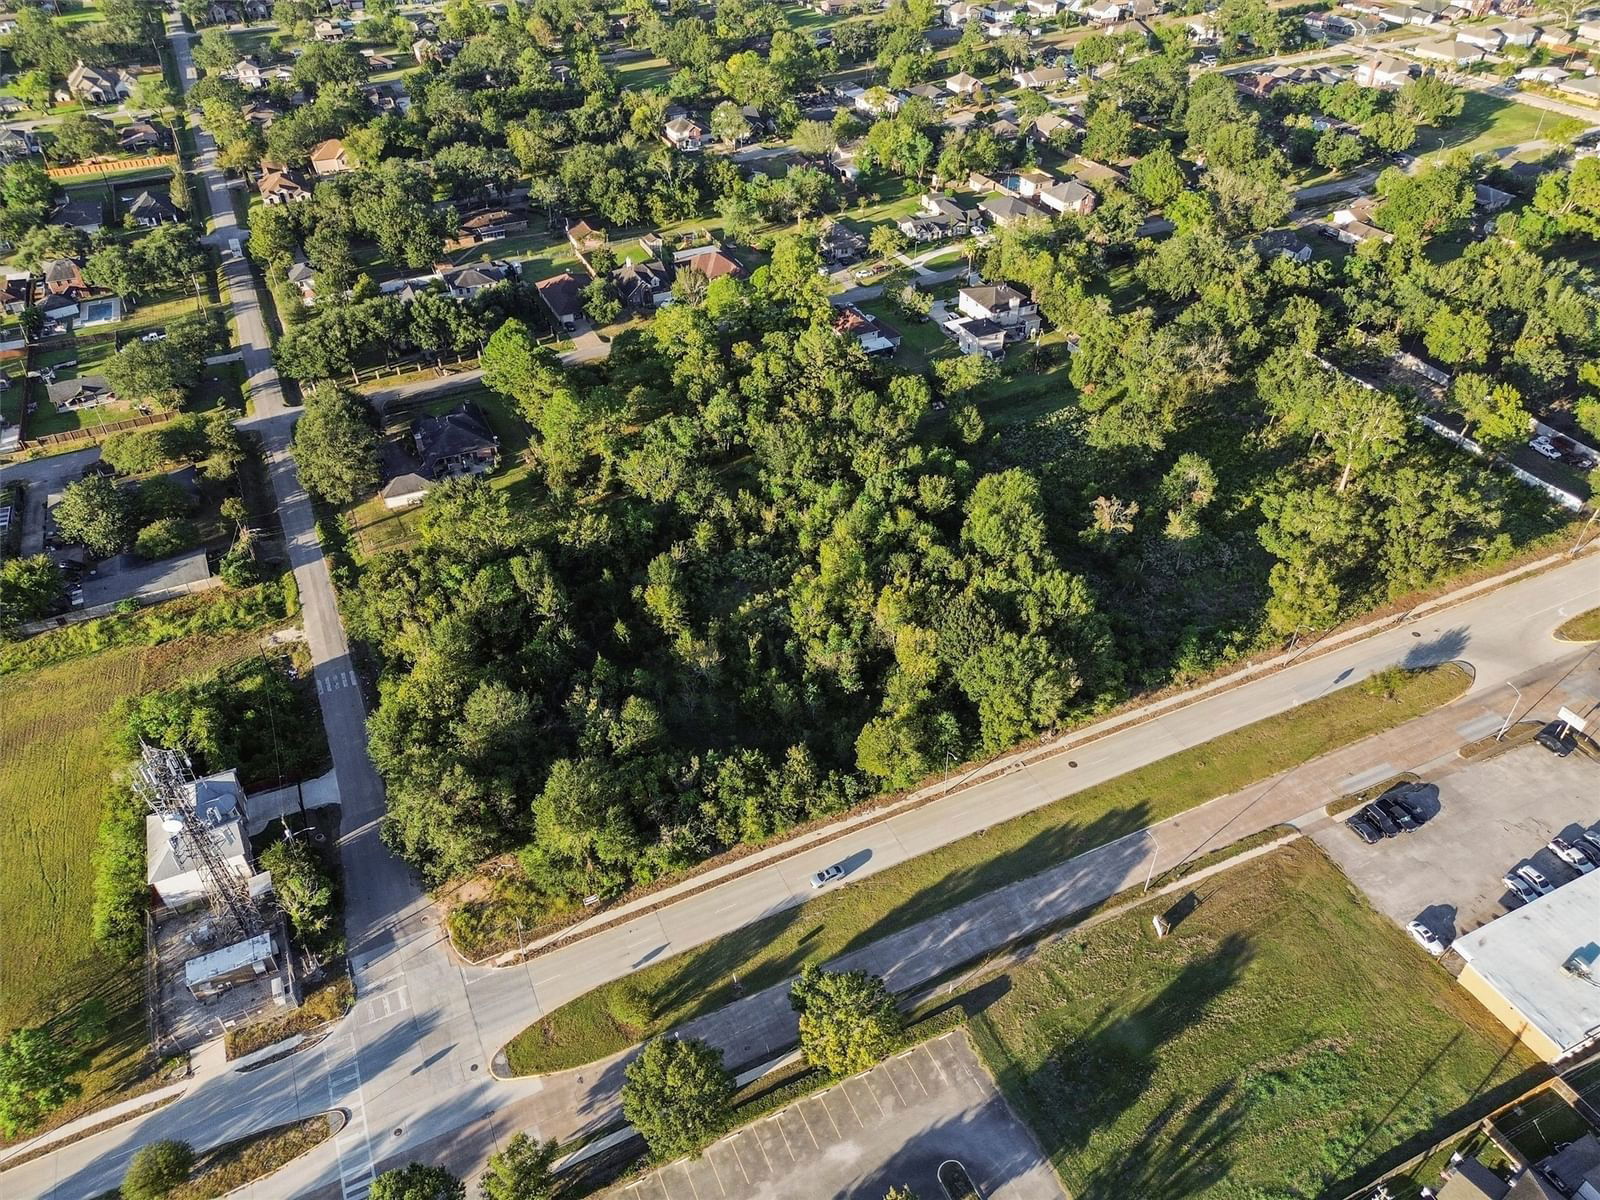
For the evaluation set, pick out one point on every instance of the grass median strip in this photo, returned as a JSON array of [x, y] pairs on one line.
[[612, 1017], [1585, 627]]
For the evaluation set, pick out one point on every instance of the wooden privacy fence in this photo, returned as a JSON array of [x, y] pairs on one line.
[[94, 432], [78, 170]]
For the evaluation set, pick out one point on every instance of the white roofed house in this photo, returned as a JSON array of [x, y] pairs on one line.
[[686, 134], [963, 84], [1003, 304], [1069, 197], [1518, 33], [1485, 38], [1382, 71], [1450, 50], [1039, 77]]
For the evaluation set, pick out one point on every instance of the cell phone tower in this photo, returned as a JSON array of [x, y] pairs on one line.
[[165, 781]]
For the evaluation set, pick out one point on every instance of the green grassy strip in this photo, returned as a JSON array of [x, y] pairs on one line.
[[1585, 627], [612, 1017]]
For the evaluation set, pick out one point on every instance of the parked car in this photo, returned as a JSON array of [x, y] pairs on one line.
[[1519, 888], [1405, 796], [1591, 842], [1396, 812], [827, 875], [1426, 938], [1534, 879], [1365, 829], [1543, 445], [1381, 819], [1557, 738], [1574, 856]]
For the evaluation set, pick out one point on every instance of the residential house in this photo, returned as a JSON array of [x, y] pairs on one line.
[[1451, 51], [1353, 225], [1092, 173], [977, 336], [330, 158], [304, 280], [142, 135], [1131, 28], [1285, 244], [961, 12], [1002, 304], [1047, 125], [247, 73], [149, 209], [458, 442], [262, 115], [14, 293], [840, 246], [281, 185], [426, 50], [1069, 197], [489, 224], [1041, 10], [931, 93], [79, 392], [389, 99], [1345, 25], [328, 31], [1589, 31], [875, 336], [1102, 12], [463, 283], [92, 85], [642, 285], [686, 134], [1586, 86], [406, 490], [963, 84], [17, 144], [1028, 183], [1005, 211], [1204, 30], [1484, 37], [1545, 75], [584, 237], [842, 161], [1382, 71], [62, 276], [1490, 199], [80, 213], [563, 296], [710, 260], [1005, 130], [1404, 14], [1040, 77]]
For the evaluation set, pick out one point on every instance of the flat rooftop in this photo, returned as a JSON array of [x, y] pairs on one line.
[[1525, 953]]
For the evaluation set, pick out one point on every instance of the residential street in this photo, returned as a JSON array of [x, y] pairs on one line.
[[412, 1059], [412, 1064]]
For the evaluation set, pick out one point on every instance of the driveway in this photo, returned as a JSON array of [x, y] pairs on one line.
[[1492, 816], [892, 1126]]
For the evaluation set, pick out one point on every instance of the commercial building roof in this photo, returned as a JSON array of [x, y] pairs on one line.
[[1544, 960]]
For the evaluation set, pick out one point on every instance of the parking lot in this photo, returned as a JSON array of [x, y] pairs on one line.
[[1492, 816], [893, 1125]]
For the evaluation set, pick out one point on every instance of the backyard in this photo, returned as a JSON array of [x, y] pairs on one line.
[[1282, 1040], [57, 749], [1486, 123]]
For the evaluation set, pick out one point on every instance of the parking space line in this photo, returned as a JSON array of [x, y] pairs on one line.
[[739, 1158], [889, 1075], [801, 1109], [843, 1088], [914, 1075], [937, 1068], [756, 1129], [823, 1100], [715, 1173], [787, 1144], [873, 1093], [661, 1181], [689, 1175]]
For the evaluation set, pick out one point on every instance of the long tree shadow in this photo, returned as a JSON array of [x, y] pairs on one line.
[[1086, 1085]]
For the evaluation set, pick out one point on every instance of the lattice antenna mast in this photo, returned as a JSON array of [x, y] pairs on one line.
[[166, 782]]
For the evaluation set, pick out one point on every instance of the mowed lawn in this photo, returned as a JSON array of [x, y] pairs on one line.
[[56, 766], [1284, 1039]]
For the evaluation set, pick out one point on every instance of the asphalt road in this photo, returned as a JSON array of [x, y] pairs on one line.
[[413, 1056]]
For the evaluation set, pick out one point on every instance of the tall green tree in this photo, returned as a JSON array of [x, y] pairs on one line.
[[35, 1070], [97, 514], [522, 1171], [418, 1181], [336, 447], [676, 1093], [848, 1019]]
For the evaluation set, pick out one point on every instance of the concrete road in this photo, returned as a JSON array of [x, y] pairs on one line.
[[413, 1055]]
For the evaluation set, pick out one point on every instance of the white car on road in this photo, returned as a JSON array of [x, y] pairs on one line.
[[1426, 938]]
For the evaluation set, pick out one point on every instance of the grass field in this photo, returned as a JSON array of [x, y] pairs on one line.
[[55, 744], [1485, 123], [1585, 627], [1285, 1039], [771, 950]]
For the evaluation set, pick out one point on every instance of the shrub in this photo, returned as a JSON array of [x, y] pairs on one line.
[[165, 537], [119, 877], [156, 1169], [630, 1007]]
